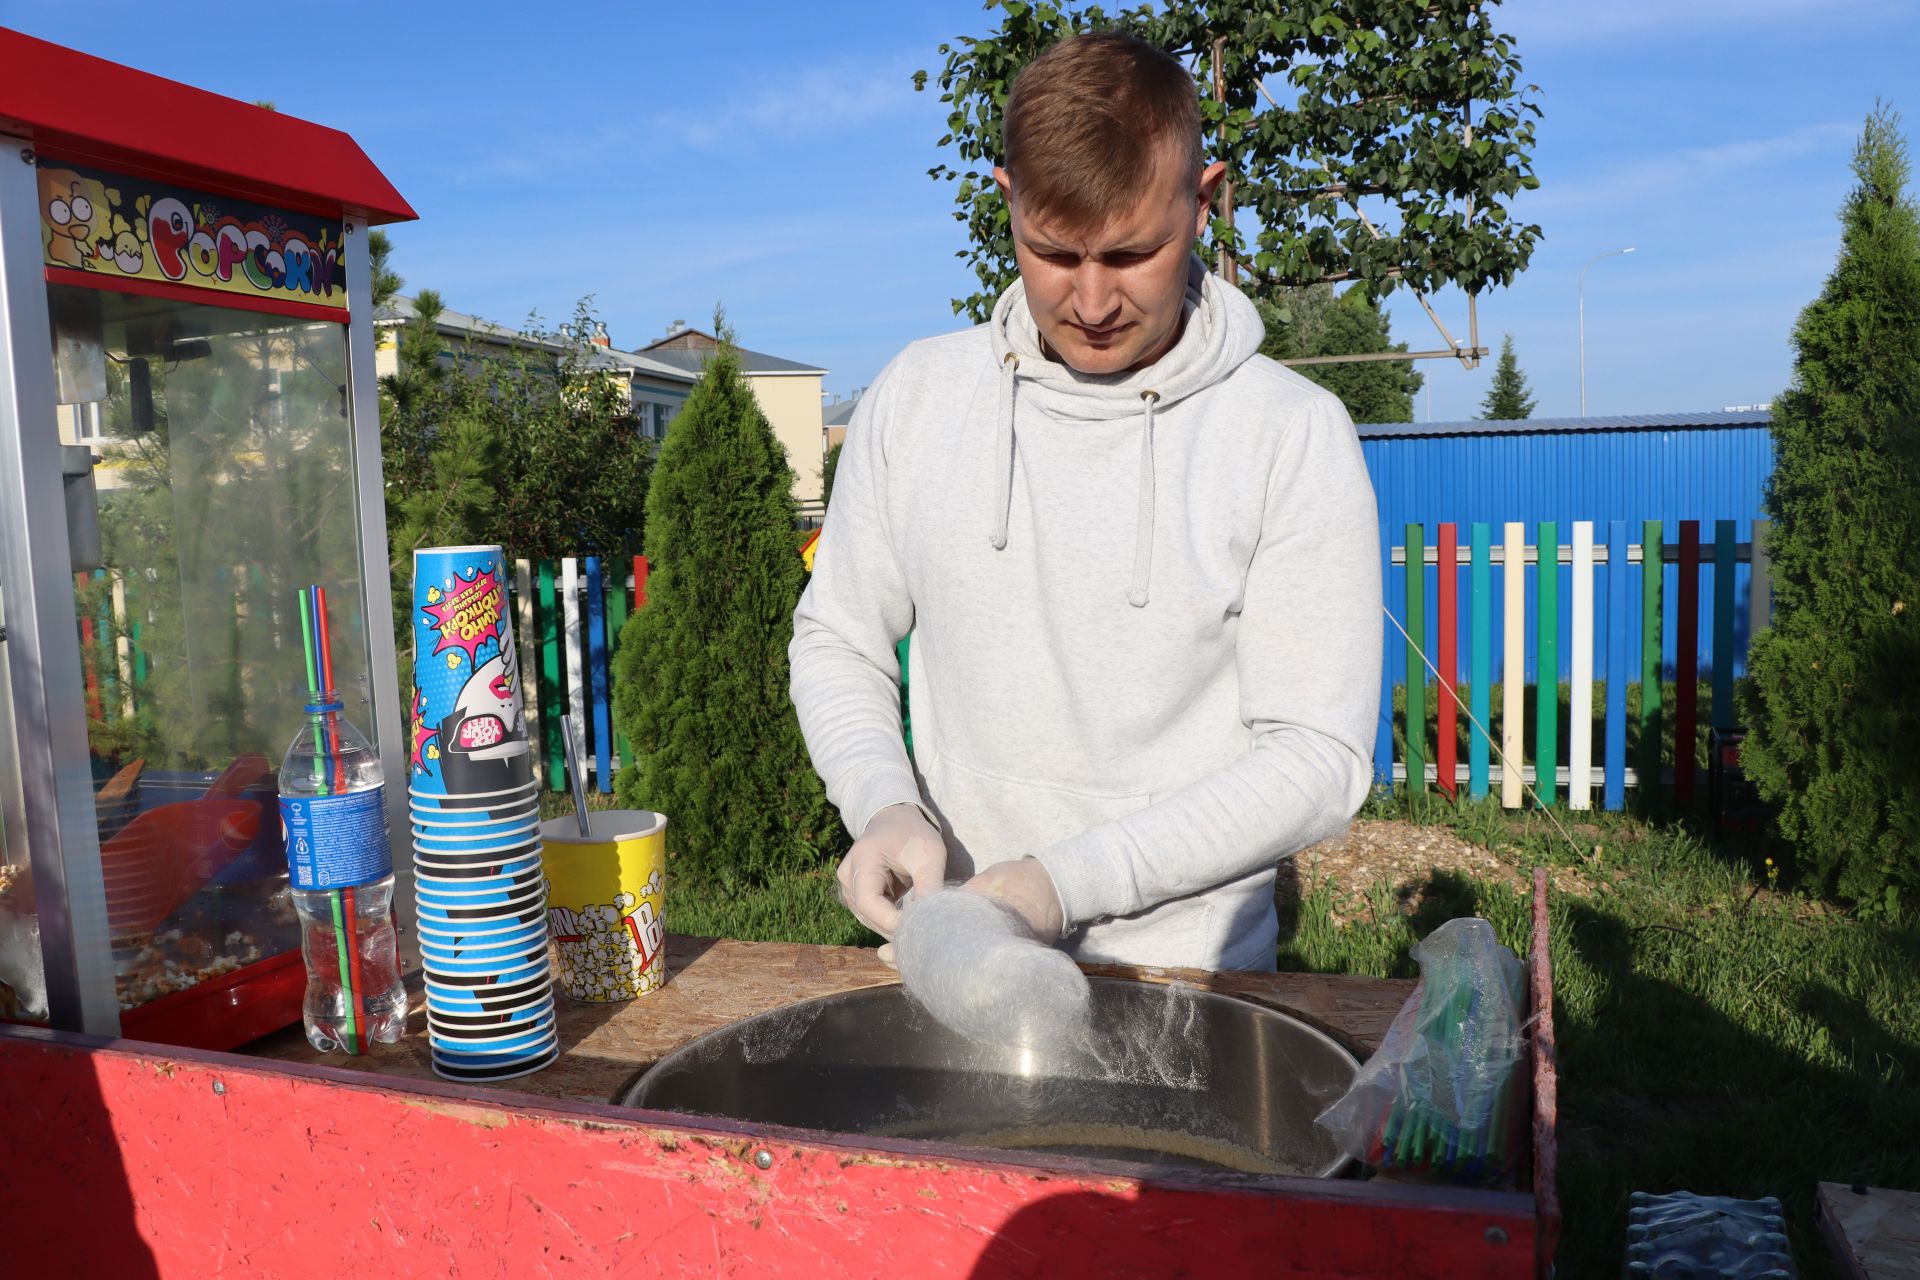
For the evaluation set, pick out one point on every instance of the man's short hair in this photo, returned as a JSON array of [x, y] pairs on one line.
[[1088, 122]]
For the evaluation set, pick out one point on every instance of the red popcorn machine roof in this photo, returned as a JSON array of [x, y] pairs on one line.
[[88, 110]]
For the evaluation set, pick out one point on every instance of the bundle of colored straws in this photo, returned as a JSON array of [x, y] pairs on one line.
[[1477, 1144], [1441, 1098], [329, 777]]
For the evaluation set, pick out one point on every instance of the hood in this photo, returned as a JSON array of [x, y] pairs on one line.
[[1222, 330]]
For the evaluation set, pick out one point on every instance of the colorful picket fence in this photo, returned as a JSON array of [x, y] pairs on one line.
[[1588, 565], [114, 659], [569, 613]]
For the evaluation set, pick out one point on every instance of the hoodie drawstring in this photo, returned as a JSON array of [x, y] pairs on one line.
[[1003, 453], [1137, 595], [1143, 521]]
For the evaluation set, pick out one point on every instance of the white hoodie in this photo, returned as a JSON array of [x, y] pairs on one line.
[[1145, 611]]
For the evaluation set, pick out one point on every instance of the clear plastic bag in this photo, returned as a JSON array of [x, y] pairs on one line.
[[1440, 1100]]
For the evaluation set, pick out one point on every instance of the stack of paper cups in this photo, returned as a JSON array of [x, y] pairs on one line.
[[478, 881]]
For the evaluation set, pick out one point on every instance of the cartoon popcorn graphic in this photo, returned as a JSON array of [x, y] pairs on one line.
[[611, 951]]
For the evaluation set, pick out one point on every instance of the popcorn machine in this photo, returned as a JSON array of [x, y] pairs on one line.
[[189, 434]]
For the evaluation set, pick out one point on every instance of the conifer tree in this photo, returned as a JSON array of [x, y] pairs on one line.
[[701, 678], [827, 472], [1508, 397], [387, 283], [1318, 322], [1831, 704]]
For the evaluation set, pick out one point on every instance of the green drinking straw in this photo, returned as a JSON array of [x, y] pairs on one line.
[[309, 639]]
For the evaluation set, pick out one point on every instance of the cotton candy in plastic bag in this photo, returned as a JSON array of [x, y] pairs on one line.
[[1440, 1100]]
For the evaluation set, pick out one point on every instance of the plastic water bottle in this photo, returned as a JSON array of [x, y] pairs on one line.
[[334, 820]]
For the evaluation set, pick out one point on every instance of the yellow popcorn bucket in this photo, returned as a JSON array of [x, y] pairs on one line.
[[606, 902]]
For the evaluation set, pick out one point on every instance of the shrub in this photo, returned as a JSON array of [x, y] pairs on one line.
[[1831, 704]]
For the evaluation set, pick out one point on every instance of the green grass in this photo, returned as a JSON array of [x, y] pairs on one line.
[[1716, 1035], [800, 908]]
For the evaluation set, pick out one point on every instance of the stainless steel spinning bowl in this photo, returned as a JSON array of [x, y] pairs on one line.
[[1172, 1076]]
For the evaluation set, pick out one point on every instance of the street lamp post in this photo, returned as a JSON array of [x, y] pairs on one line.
[[1611, 253]]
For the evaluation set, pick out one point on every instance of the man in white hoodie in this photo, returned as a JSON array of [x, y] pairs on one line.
[[1139, 563]]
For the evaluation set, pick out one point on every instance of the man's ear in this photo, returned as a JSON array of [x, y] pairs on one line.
[[1210, 179], [1005, 183]]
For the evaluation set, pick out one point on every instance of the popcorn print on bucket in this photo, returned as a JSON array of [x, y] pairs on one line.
[[611, 951]]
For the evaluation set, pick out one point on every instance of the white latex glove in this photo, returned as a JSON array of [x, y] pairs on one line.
[[899, 852], [1024, 887]]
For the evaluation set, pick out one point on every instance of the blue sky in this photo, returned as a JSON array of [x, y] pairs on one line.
[[773, 157]]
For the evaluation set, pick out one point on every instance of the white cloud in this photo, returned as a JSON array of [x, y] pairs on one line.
[[1696, 173], [818, 102]]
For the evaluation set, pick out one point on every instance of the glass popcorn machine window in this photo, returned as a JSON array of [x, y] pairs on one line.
[[221, 475]]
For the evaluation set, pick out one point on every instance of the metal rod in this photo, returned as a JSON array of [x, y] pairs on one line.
[[389, 721], [576, 773], [1470, 358], [1229, 269], [1473, 312], [1466, 362], [46, 780], [1669, 554], [1520, 769], [1388, 355], [1611, 253]]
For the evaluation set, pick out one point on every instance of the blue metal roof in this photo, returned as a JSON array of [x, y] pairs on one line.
[[1533, 426]]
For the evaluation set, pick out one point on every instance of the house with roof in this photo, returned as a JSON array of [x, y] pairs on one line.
[[836, 415], [788, 391], [657, 389], [658, 377]]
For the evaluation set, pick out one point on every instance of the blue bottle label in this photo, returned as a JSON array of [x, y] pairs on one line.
[[336, 841]]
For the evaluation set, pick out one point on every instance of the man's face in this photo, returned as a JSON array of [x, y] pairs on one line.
[[1110, 299]]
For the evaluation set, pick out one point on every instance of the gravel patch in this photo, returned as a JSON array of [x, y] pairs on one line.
[[1406, 856]]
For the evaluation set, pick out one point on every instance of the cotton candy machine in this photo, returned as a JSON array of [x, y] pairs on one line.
[[1172, 1076]]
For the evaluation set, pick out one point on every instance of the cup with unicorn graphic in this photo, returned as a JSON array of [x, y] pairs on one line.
[[468, 723]]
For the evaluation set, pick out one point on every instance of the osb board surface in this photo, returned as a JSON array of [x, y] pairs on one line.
[[714, 982], [1873, 1235]]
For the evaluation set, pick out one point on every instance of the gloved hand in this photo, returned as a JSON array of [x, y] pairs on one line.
[[971, 961], [898, 852], [1024, 886]]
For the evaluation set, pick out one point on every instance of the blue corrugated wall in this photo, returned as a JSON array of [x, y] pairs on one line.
[[1703, 474]]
